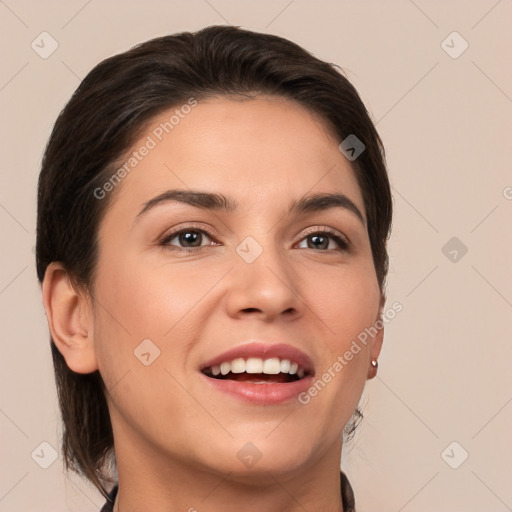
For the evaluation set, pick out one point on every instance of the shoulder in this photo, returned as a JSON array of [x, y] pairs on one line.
[[109, 505]]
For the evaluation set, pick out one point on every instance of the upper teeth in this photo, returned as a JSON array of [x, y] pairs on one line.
[[271, 366]]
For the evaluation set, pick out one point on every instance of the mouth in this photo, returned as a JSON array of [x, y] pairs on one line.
[[260, 373]]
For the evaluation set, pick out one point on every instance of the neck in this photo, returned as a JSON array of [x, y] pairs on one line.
[[148, 482]]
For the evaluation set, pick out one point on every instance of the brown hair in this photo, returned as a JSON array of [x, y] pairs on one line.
[[103, 119]]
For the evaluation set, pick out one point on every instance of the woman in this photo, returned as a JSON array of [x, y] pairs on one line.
[[213, 212]]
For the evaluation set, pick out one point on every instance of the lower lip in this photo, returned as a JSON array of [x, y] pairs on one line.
[[262, 394]]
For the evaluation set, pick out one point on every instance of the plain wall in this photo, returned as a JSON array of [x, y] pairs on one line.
[[446, 123]]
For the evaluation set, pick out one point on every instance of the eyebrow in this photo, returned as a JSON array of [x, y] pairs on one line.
[[220, 202]]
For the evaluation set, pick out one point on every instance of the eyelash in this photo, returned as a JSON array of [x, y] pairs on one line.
[[343, 243]]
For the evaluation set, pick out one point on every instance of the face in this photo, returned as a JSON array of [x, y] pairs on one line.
[[212, 318]]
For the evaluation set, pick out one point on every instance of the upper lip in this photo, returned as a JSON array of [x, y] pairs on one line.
[[264, 351]]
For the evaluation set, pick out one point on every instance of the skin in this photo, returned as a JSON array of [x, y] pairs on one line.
[[176, 438]]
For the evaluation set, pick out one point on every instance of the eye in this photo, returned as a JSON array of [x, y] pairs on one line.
[[189, 239], [324, 240]]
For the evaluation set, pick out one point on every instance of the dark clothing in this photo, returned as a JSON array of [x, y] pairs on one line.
[[347, 496]]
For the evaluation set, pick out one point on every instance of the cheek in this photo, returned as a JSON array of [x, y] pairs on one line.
[[347, 303], [347, 300], [150, 300], [141, 311], [140, 301]]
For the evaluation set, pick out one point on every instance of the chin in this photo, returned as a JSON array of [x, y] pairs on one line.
[[262, 459]]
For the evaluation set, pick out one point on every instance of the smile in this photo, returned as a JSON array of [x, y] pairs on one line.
[[258, 370], [260, 373]]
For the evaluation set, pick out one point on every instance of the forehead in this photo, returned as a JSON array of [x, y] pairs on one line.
[[257, 149]]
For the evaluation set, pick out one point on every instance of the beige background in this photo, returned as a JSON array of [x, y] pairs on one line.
[[445, 371]]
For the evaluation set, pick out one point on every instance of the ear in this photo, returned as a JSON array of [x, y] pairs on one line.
[[70, 319], [377, 340]]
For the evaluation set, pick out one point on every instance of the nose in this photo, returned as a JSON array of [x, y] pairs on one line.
[[265, 289]]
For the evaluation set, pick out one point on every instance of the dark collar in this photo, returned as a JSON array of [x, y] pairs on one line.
[[347, 494]]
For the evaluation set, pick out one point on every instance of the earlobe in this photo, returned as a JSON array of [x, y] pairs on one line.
[[376, 342], [70, 319]]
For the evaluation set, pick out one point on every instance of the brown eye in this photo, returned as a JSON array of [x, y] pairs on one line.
[[193, 238], [186, 239], [318, 242], [325, 241]]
